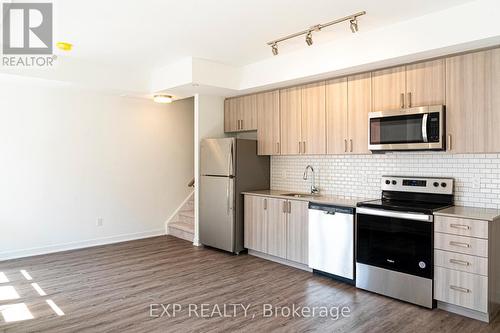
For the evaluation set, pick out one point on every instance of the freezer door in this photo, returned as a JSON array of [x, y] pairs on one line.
[[217, 157], [217, 212]]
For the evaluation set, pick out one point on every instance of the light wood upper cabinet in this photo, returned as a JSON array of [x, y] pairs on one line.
[[313, 119], [336, 116], [255, 228], [268, 123], [297, 231], [291, 120], [359, 88], [240, 114], [473, 102], [389, 88], [248, 113], [276, 227], [425, 83]]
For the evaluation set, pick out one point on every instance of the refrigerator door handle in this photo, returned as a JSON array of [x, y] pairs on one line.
[[227, 195]]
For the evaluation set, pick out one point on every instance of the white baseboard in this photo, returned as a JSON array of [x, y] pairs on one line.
[[177, 211], [79, 244]]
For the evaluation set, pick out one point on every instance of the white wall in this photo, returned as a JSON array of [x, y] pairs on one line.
[[70, 156], [209, 123]]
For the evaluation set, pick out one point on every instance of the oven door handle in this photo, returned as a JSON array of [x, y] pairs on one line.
[[399, 215], [424, 127]]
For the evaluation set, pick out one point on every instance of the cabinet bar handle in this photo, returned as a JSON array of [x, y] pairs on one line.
[[452, 243], [277, 147], [345, 145], [460, 226], [289, 207], [402, 100], [304, 149], [409, 100], [350, 140], [284, 207], [300, 148], [463, 290], [449, 142], [241, 123], [265, 204], [459, 262]]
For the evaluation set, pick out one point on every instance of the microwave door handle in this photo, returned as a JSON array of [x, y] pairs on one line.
[[424, 127]]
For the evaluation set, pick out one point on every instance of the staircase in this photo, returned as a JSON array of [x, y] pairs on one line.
[[182, 224]]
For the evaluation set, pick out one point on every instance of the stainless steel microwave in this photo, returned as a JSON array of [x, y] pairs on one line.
[[420, 128]]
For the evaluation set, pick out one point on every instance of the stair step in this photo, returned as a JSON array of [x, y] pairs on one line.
[[187, 213], [184, 226]]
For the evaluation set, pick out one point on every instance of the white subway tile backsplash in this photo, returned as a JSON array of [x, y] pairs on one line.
[[477, 176]]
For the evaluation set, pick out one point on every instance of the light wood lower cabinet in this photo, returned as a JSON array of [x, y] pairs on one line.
[[466, 268], [277, 227], [297, 231], [255, 228]]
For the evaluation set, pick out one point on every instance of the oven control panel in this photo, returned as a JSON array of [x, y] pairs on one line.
[[417, 184]]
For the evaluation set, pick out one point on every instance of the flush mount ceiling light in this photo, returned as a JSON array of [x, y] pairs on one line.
[[353, 20], [163, 99]]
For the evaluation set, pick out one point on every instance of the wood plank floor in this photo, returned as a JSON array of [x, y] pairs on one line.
[[110, 289]]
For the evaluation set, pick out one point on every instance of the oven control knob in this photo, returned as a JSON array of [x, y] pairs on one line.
[[394, 182], [422, 264], [443, 184], [387, 181], [436, 184]]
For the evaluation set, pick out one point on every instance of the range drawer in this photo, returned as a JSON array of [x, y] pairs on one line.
[[461, 244], [460, 288], [461, 227], [461, 262]]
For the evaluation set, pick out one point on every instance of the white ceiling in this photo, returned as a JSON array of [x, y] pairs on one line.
[[151, 33]]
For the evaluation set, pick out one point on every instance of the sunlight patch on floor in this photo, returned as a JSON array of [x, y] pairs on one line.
[[15, 312], [3, 278], [8, 293], [26, 275], [55, 308], [38, 289]]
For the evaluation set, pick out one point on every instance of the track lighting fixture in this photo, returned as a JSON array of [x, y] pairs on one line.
[[354, 24], [309, 38], [353, 20], [274, 48]]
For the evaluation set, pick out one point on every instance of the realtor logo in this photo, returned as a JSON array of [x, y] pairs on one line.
[[27, 28]]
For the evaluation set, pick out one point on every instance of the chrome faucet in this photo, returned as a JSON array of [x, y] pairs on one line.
[[314, 189]]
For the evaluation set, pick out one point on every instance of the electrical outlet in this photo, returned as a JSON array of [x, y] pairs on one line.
[[99, 222]]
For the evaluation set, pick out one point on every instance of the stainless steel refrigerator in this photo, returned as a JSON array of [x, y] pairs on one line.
[[228, 167]]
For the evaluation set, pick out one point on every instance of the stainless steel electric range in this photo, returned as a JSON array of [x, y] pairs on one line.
[[394, 237]]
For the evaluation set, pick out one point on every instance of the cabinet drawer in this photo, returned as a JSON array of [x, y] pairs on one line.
[[461, 244], [460, 288], [461, 262], [462, 227]]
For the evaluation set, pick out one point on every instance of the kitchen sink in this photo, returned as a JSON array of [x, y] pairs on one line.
[[300, 195]]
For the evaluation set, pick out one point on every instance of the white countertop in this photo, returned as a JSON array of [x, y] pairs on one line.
[[474, 213], [322, 199]]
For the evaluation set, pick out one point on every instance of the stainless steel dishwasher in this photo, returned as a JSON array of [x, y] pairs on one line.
[[331, 241]]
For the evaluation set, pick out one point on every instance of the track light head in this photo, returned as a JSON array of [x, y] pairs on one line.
[[354, 24], [274, 48], [309, 38]]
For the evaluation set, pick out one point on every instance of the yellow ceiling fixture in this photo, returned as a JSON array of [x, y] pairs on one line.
[[64, 46], [163, 99]]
